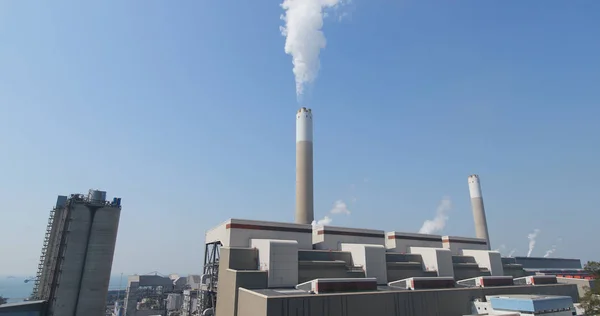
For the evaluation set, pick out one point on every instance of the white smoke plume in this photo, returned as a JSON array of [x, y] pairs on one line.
[[553, 248], [339, 207], [532, 237], [324, 221], [439, 221], [550, 251], [304, 38], [511, 253], [501, 248]]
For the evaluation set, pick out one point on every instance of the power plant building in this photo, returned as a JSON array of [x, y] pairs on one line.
[[258, 268], [77, 255]]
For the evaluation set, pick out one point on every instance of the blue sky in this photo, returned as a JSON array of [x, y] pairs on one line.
[[186, 110]]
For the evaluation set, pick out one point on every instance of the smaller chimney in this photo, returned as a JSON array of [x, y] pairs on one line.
[[481, 229]]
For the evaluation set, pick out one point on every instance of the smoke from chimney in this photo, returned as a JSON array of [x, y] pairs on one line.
[[532, 237], [553, 248], [439, 221], [501, 248], [324, 221], [304, 38], [550, 251], [339, 207]]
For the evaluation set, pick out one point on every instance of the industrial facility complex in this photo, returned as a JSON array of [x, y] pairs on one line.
[[266, 268], [261, 268]]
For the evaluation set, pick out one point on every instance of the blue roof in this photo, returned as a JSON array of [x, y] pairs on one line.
[[530, 303], [21, 303]]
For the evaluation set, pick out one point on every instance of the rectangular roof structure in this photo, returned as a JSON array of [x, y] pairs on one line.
[[530, 303], [464, 240], [346, 231], [414, 236], [238, 232]]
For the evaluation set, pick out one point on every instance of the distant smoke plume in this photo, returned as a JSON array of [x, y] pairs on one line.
[[501, 248], [511, 253], [439, 221], [552, 249], [532, 237], [339, 207], [304, 38]]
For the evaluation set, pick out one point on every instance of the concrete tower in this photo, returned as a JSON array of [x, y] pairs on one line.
[[481, 229], [304, 167], [76, 261]]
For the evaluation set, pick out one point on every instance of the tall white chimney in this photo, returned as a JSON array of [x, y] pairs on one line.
[[304, 167], [481, 229]]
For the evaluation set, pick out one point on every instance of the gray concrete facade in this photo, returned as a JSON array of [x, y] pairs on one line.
[[78, 257], [441, 302], [304, 182], [237, 268], [582, 285], [481, 230], [98, 262], [304, 167]]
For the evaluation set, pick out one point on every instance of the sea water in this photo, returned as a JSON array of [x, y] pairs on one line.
[[15, 289]]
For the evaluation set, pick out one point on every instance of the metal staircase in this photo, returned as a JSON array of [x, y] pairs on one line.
[[38, 277]]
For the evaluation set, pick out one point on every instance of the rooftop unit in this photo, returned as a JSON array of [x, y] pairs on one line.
[[339, 285], [239, 232], [423, 283], [536, 280], [331, 237], [457, 244], [487, 281], [401, 242]]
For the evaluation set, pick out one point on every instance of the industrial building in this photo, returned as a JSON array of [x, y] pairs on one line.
[[526, 305], [261, 268], [255, 268], [156, 294], [269, 268], [77, 255]]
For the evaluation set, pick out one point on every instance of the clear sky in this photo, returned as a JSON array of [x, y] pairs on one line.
[[186, 110]]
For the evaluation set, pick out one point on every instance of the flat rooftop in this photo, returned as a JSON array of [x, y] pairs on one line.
[[288, 292]]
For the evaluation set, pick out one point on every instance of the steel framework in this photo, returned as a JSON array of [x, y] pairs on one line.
[[208, 288]]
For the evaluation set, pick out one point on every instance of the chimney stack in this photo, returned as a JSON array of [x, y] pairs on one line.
[[481, 229], [304, 167]]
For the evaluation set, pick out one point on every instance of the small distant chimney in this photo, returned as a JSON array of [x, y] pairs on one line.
[[481, 229]]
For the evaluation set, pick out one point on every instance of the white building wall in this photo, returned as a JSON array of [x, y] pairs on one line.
[[487, 259], [371, 258], [436, 259], [280, 259], [401, 242], [332, 238], [457, 244], [238, 233]]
